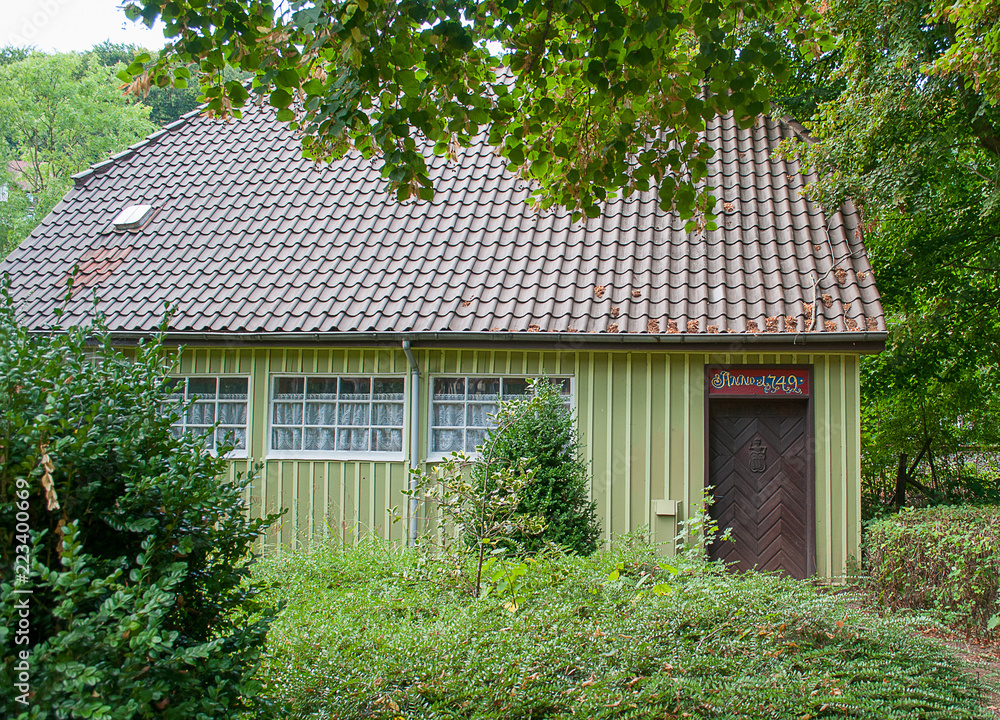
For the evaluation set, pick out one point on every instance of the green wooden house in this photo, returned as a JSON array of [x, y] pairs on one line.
[[342, 337]]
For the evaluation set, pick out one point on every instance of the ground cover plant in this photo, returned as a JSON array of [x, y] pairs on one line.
[[123, 549], [944, 559], [375, 632]]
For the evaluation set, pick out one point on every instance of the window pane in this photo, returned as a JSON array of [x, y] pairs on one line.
[[387, 440], [171, 409], [352, 439], [353, 414], [322, 388], [209, 400], [338, 414], [203, 433], [233, 388], [388, 389], [200, 413], [237, 436], [449, 388], [484, 388], [445, 441], [473, 439], [480, 415], [174, 387], [475, 411], [355, 388], [321, 414], [286, 439], [289, 388], [231, 413], [387, 414], [203, 388], [449, 415], [285, 413], [515, 388], [320, 439]]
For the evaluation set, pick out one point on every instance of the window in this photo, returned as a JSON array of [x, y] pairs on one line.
[[133, 217], [215, 399], [461, 408], [337, 415]]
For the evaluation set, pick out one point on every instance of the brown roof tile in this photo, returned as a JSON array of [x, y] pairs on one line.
[[251, 237]]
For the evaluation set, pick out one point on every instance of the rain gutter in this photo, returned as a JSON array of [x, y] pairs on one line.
[[414, 437], [561, 340]]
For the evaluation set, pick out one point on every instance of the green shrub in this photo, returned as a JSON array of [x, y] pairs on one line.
[[542, 429], [618, 634], [945, 559], [124, 549], [481, 502]]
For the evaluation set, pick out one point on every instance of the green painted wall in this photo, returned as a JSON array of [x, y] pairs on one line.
[[641, 418]]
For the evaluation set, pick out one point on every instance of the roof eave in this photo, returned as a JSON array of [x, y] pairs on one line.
[[866, 342]]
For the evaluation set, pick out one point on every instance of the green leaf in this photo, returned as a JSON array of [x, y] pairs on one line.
[[288, 78], [280, 98]]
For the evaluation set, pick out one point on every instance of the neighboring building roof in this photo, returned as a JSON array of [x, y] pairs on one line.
[[16, 170], [249, 237]]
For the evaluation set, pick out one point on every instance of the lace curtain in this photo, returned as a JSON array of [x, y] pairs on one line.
[[462, 408], [211, 400], [338, 414]]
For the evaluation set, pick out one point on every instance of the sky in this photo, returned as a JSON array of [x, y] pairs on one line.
[[71, 25]]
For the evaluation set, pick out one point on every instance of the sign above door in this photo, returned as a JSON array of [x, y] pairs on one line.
[[773, 382]]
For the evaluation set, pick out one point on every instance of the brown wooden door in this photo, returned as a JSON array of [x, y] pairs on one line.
[[758, 453]]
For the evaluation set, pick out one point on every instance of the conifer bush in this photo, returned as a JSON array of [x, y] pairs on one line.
[[543, 431], [124, 550]]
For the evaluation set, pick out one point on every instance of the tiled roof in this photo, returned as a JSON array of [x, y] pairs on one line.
[[249, 237]]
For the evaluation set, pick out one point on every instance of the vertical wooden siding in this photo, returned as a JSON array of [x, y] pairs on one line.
[[641, 418]]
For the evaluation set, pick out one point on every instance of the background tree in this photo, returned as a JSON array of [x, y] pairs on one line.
[[10, 54], [974, 51], [166, 104], [587, 100], [58, 114], [918, 150]]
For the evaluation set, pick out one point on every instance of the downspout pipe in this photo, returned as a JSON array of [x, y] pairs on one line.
[[414, 436]]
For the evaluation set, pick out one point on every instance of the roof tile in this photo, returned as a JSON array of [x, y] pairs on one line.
[[249, 236]]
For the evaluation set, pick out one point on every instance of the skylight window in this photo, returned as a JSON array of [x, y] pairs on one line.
[[133, 217]]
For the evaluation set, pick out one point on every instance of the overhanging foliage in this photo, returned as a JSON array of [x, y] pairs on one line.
[[586, 100]]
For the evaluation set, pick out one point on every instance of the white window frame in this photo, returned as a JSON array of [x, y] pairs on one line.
[[434, 456], [236, 453], [376, 455]]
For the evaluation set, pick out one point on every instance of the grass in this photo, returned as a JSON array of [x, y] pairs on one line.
[[376, 632]]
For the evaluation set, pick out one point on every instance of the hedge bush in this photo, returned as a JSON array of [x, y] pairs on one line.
[[123, 549], [369, 633], [945, 559]]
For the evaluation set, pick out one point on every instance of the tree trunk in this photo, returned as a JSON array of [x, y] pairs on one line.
[[899, 497]]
